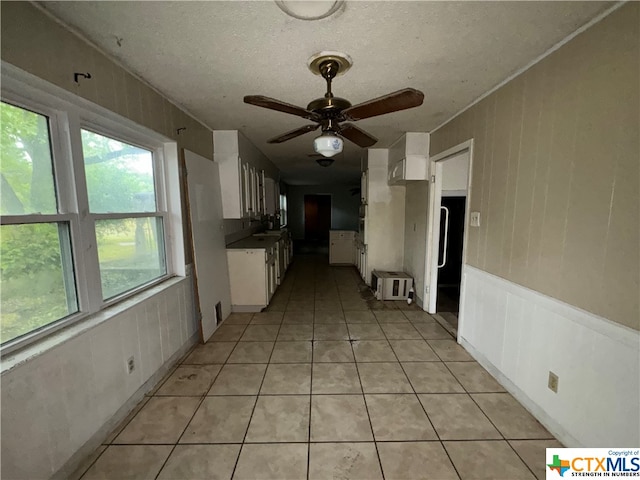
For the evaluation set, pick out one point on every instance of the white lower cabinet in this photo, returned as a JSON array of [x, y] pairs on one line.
[[342, 247], [256, 268], [250, 279], [282, 251], [361, 256]]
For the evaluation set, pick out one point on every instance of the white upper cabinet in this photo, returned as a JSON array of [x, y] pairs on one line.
[[409, 158], [244, 171], [272, 196]]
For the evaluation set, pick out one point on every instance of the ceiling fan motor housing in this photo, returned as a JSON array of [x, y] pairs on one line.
[[327, 106]]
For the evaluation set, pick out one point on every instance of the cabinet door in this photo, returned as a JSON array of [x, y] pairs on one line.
[[248, 280], [363, 188], [270, 196], [246, 191], [254, 191], [262, 193], [341, 248]]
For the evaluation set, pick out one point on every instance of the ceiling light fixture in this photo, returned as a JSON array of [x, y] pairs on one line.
[[309, 10], [328, 144], [325, 162]]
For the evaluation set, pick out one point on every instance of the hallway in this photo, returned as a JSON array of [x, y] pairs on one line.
[[327, 383]]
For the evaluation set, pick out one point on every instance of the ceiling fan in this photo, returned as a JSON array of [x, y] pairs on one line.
[[329, 112]]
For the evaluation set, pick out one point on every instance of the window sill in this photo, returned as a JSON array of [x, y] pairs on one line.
[[78, 327]]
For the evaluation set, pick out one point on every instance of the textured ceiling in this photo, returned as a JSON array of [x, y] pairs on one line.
[[206, 56]]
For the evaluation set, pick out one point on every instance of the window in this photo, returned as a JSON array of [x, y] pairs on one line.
[[37, 278], [283, 209], [57, 265], [122, 195]]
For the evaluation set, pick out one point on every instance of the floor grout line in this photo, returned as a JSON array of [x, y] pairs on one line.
[[310, 402], [425, 412], [202, 398], [364, 399], [306, 291]]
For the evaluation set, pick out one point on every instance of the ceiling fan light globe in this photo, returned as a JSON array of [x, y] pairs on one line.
[[328, 145]]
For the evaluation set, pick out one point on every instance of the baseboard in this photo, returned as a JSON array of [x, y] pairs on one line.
[[247, 308], [549, 423]]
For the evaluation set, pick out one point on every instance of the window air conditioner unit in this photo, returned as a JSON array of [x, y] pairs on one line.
[[391, 285]]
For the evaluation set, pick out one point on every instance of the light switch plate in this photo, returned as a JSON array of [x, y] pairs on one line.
[[475, 219]]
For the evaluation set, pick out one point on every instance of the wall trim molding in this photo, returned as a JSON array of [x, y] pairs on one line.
[[618, 332]]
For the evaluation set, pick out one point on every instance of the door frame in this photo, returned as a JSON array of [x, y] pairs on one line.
[[430, 292], [304, 211]]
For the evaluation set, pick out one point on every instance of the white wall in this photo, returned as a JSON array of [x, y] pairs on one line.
[[519, 335], [415, 233], [71, 395], [344, 206], [384, 232]]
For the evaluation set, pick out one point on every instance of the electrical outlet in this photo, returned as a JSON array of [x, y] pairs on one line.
[[131, 365], [553, 382]]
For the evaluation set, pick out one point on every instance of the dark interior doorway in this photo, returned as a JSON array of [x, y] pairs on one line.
[[317, 217], [450, 275]]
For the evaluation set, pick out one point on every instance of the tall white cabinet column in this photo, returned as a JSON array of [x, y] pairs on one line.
[[384, 218]]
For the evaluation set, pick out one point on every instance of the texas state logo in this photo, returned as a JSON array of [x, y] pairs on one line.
[[559, 465], [592, 462]]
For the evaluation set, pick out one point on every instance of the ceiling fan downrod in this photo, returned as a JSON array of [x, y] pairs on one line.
[[329, 69]]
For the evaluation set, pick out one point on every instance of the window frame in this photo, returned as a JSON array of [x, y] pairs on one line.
[[67, 115], [160, 211]]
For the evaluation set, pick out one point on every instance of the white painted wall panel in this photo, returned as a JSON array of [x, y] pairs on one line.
[[415, 233], [56, 402], [519, 335]]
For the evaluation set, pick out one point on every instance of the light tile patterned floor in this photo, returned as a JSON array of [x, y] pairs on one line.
[[328, 383]]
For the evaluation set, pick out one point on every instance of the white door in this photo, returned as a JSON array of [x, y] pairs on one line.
[[207, 230]]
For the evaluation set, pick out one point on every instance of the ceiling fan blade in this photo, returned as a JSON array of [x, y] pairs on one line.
[[393, 102], [273, 104], [293, 134], [357, 135]]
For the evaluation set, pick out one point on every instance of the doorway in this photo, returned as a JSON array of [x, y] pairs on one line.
[[450, 258], [317, 223], [449, 199]]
